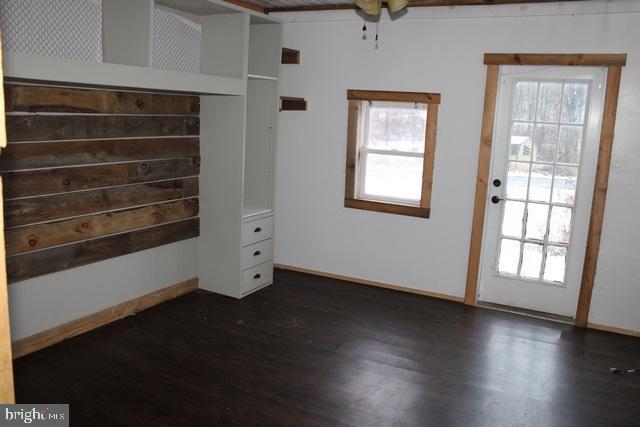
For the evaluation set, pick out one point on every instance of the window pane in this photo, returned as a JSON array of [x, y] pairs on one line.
[[397, 128], [536, 221], [549, 102], [540, 183], [544, 143], [393, 176], [521, 136], [555, 264], [509, 256], [531, 261], [574, 103], [512, 219], [569, 144], [517, 178], [524, 101], [560, 224], [564, 186]]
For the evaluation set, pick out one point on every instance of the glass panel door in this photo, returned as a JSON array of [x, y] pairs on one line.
[[542, 175], [547, 126]]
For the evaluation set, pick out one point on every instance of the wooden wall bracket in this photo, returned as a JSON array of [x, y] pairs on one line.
[[290, 56], [288, 103]]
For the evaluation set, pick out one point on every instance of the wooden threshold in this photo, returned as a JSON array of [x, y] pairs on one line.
[[84, 324], [369, 282]]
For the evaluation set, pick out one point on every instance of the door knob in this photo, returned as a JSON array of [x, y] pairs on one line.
[[496, 199], [497, 183]]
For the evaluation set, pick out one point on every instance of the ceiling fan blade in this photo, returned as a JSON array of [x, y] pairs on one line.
[[396, 5], [370, 7]]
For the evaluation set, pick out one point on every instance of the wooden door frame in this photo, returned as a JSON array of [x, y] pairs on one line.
[[493, 61], [6, 364]]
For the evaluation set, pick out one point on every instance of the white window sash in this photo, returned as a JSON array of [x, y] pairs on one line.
[[361, 164]]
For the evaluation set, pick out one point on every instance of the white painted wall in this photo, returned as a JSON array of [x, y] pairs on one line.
[[45, 302], [440, 50]]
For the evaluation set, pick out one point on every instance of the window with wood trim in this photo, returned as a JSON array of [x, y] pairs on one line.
[[391, 138]]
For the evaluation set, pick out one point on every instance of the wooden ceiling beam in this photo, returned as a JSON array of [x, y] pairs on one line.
[[248, 5], [412, 3]]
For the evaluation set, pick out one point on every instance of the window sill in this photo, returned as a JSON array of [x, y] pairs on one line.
[[391, 208]]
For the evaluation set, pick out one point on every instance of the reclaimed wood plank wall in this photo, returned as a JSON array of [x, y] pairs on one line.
[[94, 174]]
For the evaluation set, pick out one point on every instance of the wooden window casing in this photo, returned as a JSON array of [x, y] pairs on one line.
[[351, 200]]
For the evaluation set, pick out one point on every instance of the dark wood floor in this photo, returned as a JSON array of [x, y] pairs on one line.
[[313, 351]]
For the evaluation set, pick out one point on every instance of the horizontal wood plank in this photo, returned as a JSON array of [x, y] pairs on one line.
[[34, 264], [66, 153], [39, 99], [84, 324], [412, 3], [47, 181], [384, 95], [33, 237], [390, 208], [47, 208], [59, 127], [581, 59]]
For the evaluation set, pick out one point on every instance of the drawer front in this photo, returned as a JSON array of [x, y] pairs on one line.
[[257, 276], [256, 231], [257, 253]]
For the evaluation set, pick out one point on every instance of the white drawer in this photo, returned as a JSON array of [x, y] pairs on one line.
[[257, 276], [256, 231], [257, 253]]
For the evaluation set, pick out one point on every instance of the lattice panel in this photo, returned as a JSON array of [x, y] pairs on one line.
[[69, 29], [176, 42]]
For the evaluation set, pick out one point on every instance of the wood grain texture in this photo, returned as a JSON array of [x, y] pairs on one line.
[[352, 148], [384, 95], [247, 5], [40, 236], [47, 208], [34, 264], [101, 318], [6, 366], [66, 153], [387, 208], [482, 179], [290, 56], [59, 127], [412, 3], [370, 283], [316, 351], [599, 194], [289, 103], [47, 181], [429, 156], [52, 99], [579, 59]]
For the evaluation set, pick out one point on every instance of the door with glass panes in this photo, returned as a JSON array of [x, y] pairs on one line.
[[542, 175]]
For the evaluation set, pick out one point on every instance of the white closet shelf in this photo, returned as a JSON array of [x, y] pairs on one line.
[[50, 69], [259, 77], [250, 212]]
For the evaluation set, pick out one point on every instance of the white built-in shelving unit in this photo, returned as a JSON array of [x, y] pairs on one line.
[[239, 66]]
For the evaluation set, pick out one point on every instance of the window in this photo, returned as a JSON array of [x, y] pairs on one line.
[[391, 140]]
